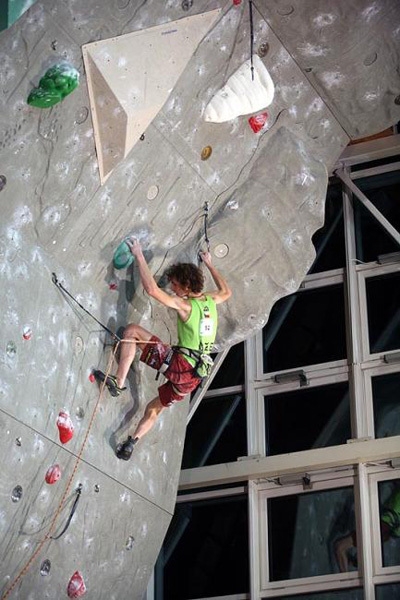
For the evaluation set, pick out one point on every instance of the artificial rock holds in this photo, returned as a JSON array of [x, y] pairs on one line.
[[65, 426], [58, 81], [76, 586], [242, 95]]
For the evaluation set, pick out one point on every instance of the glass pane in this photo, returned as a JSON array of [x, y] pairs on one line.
[[307, 418], [305, 328], [389, 512], [303, 530], [353, 594], [329, 240], [389, 591], [205, 552], [385, 398], [371, 238], [376, 163], [231, 371], [383, 303], [217, 432]]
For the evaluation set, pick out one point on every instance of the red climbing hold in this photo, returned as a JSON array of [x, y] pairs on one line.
[[27, 333], [113, 285], [76, 586], [65, 427], [257, 122], [53, 474], [92, 378], [236, 2]]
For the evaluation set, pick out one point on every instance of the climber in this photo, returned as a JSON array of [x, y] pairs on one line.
[[183, 365], [389, 525]]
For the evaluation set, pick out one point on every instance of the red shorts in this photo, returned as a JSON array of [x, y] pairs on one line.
[[180, 375]]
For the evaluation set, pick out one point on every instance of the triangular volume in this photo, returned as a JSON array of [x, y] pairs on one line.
[[130, 78]]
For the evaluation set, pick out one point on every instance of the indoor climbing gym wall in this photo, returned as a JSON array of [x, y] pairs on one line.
[[185, 124]]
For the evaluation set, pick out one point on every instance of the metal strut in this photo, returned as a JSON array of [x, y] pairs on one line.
[[63, 289]]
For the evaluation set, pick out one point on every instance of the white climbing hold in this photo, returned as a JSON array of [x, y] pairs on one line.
[[242, 95]]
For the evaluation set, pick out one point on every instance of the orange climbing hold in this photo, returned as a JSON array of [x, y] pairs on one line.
[[65, 427], [76, 586]]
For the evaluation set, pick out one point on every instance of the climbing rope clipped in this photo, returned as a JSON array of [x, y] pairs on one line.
[[251, 38]]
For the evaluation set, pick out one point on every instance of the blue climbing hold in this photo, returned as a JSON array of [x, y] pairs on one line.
[[123, 256]]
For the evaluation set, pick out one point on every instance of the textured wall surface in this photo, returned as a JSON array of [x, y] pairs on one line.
[[335, 69]]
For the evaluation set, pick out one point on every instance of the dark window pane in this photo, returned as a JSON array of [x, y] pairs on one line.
[[205, 552], [383, 302], [217, 432], [385, 397], [390, 591], [352, 594], [305, 328], [307, 418], [376, 163], [303, 529], [329, 240], [371, 239], [389, 512], [231, 371]]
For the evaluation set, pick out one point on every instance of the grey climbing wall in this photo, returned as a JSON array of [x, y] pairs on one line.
[[334, 70]]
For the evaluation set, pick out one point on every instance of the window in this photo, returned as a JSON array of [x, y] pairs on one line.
[[217, 432], [383, 303], [383, 191], [309, 417], [305, 328], [385, 398], [205, 550]]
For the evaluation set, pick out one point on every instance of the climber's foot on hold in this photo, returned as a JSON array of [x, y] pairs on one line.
[[125, 449], [110, 381]]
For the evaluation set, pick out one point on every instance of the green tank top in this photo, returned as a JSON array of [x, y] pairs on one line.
[[199, 331], [391, 513]]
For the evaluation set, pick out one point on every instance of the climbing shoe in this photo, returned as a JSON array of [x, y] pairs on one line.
[[110, 381], [125, 449]]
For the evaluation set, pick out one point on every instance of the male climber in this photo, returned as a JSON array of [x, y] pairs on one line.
[[183, 365]]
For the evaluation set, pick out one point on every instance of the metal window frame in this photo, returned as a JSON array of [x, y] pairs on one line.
[[380, 573], [261, 494], [364, 273]]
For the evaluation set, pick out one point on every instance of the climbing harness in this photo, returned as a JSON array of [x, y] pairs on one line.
[[251, 38], [200, 369], [203, 364], [73, 509]]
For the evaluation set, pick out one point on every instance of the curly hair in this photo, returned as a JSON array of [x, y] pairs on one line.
[[187, 275]]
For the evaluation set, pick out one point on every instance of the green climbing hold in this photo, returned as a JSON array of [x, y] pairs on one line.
[[123, 256], [58, 81]]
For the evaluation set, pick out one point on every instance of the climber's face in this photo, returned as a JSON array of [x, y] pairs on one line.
[[178, 289]]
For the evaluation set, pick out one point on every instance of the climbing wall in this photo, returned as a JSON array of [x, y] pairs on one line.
[[264, 183]]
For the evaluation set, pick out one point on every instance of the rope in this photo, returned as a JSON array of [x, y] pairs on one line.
[[48, 537], [205, 226], [63, 289], [251, 38]]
